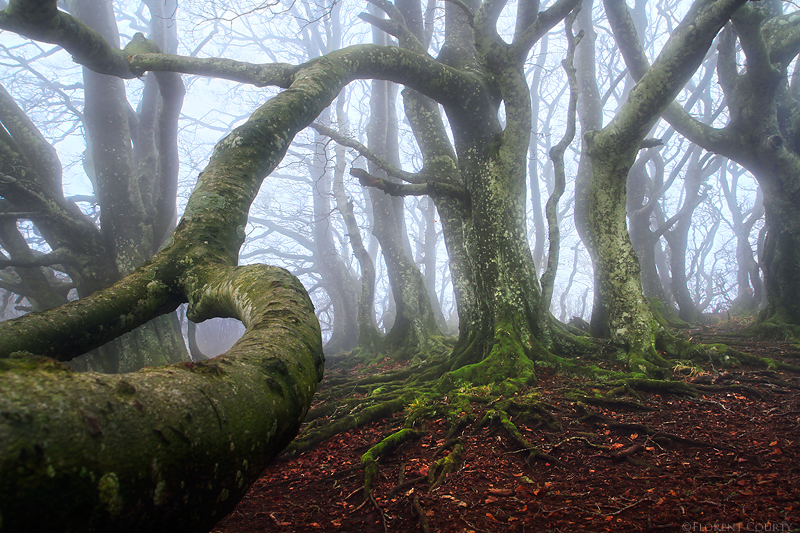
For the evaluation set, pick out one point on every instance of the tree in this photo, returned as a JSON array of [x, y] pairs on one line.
[[620, 311], [760, 134], [132, 161], [750, 288], [201, 433]]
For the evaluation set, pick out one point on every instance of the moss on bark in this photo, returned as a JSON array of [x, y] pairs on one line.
[[167, 449]]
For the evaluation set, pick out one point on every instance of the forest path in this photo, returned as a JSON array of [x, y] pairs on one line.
[[727, 460]]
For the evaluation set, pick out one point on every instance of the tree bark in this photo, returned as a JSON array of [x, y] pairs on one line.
[[625, 317], [169, 449]]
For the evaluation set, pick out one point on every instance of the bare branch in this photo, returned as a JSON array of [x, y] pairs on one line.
[[431, 188], [367, 154]]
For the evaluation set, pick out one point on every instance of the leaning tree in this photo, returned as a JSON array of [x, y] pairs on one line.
[[173, 449]]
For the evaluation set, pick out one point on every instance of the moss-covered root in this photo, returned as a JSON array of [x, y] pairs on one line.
[[725, 357], [534, 453], [776, 326], [609, 400], [659, 386], [529, 409], [311, 438], [446, 465], [370, 459]]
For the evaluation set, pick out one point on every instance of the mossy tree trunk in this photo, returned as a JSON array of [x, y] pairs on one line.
[[625, 316], [479, 187], [170, 449], [762, 135]]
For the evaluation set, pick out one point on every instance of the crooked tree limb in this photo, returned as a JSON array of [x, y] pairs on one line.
[[167, 449]]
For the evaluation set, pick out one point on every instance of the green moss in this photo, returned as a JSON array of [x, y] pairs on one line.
[[141, 45], [438, 472], [27, 362], [370, 459], [507, 366], [210, 368], [108, 493]]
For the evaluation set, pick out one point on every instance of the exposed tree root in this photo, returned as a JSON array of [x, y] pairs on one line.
[[606, 401], [446, 465], [747, 391], [369, 461], [423, 522], [380, 511], [310, 439], [429, 391], [534, 453], [600, 419], [400, 487], [679, 388]]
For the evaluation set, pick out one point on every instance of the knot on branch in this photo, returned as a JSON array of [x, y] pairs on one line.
[[775, 142]]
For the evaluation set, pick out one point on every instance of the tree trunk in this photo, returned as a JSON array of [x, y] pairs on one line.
[[336, 279], [625, 317], [749, 286], [415, 321], [170, 449], [761, 136], [368, 335]]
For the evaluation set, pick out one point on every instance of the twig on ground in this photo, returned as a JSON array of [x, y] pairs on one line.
[[380, 512], [423, 522], [634, 504]]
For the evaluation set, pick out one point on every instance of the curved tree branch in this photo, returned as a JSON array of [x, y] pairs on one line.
[[194, 435], [41, 20], [368, 154]]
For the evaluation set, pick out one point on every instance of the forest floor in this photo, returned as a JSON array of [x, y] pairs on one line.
[[728, 460]]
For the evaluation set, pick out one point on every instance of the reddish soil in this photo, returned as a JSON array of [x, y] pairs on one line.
[[736, 470]]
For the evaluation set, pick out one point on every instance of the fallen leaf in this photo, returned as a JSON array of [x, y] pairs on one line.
[[501, 492]]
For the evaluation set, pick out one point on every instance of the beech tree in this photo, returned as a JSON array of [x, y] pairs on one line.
[[620, 312], [760, 133], [132, 162]]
